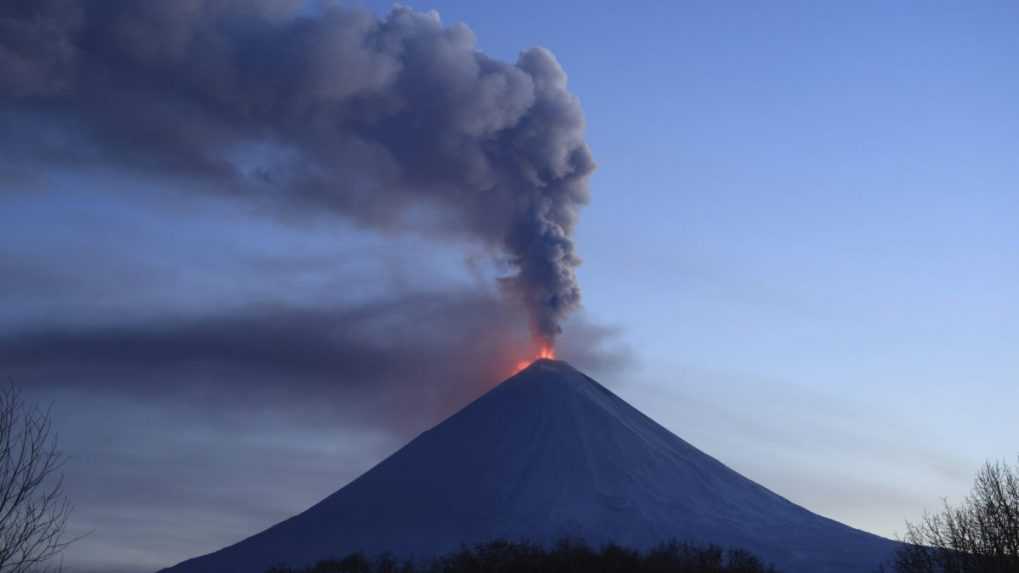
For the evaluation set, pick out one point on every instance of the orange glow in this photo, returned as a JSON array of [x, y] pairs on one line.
[[545, 352]]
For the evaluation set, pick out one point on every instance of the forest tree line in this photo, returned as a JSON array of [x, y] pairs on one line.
[[565, 557]]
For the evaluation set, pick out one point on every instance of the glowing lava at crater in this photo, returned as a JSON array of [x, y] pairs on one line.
[[546, 352]]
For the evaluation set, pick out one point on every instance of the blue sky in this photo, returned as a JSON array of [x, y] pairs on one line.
[[803, 216], [801, 237]]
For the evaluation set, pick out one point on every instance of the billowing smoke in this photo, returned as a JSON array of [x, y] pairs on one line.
[[397, 123]]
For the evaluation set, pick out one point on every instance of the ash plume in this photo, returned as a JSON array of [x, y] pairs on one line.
[[396, 122]]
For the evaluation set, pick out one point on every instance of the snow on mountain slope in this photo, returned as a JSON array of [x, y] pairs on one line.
[[547, 454]]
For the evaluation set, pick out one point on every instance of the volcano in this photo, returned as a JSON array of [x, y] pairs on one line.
[[551, 454]]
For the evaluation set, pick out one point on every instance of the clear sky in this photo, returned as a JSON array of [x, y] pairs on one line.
[[800, 255]]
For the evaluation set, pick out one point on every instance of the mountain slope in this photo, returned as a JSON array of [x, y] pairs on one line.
[[546, 454]]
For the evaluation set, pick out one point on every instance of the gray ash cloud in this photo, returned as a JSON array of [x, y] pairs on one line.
[[394, 122]]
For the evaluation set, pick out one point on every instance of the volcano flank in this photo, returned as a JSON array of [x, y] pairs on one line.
[[550, 454]]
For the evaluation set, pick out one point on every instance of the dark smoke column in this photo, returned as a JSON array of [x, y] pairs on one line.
[[339, 111], [509, 141], [554, 171]]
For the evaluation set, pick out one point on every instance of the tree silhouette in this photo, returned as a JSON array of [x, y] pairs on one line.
[[980, 535], [33, 507], [567, 556]]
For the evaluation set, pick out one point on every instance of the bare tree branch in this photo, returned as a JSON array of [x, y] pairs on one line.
[[979, 536], [33, 506]]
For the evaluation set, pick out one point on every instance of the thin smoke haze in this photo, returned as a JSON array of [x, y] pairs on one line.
[[340, 112]]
